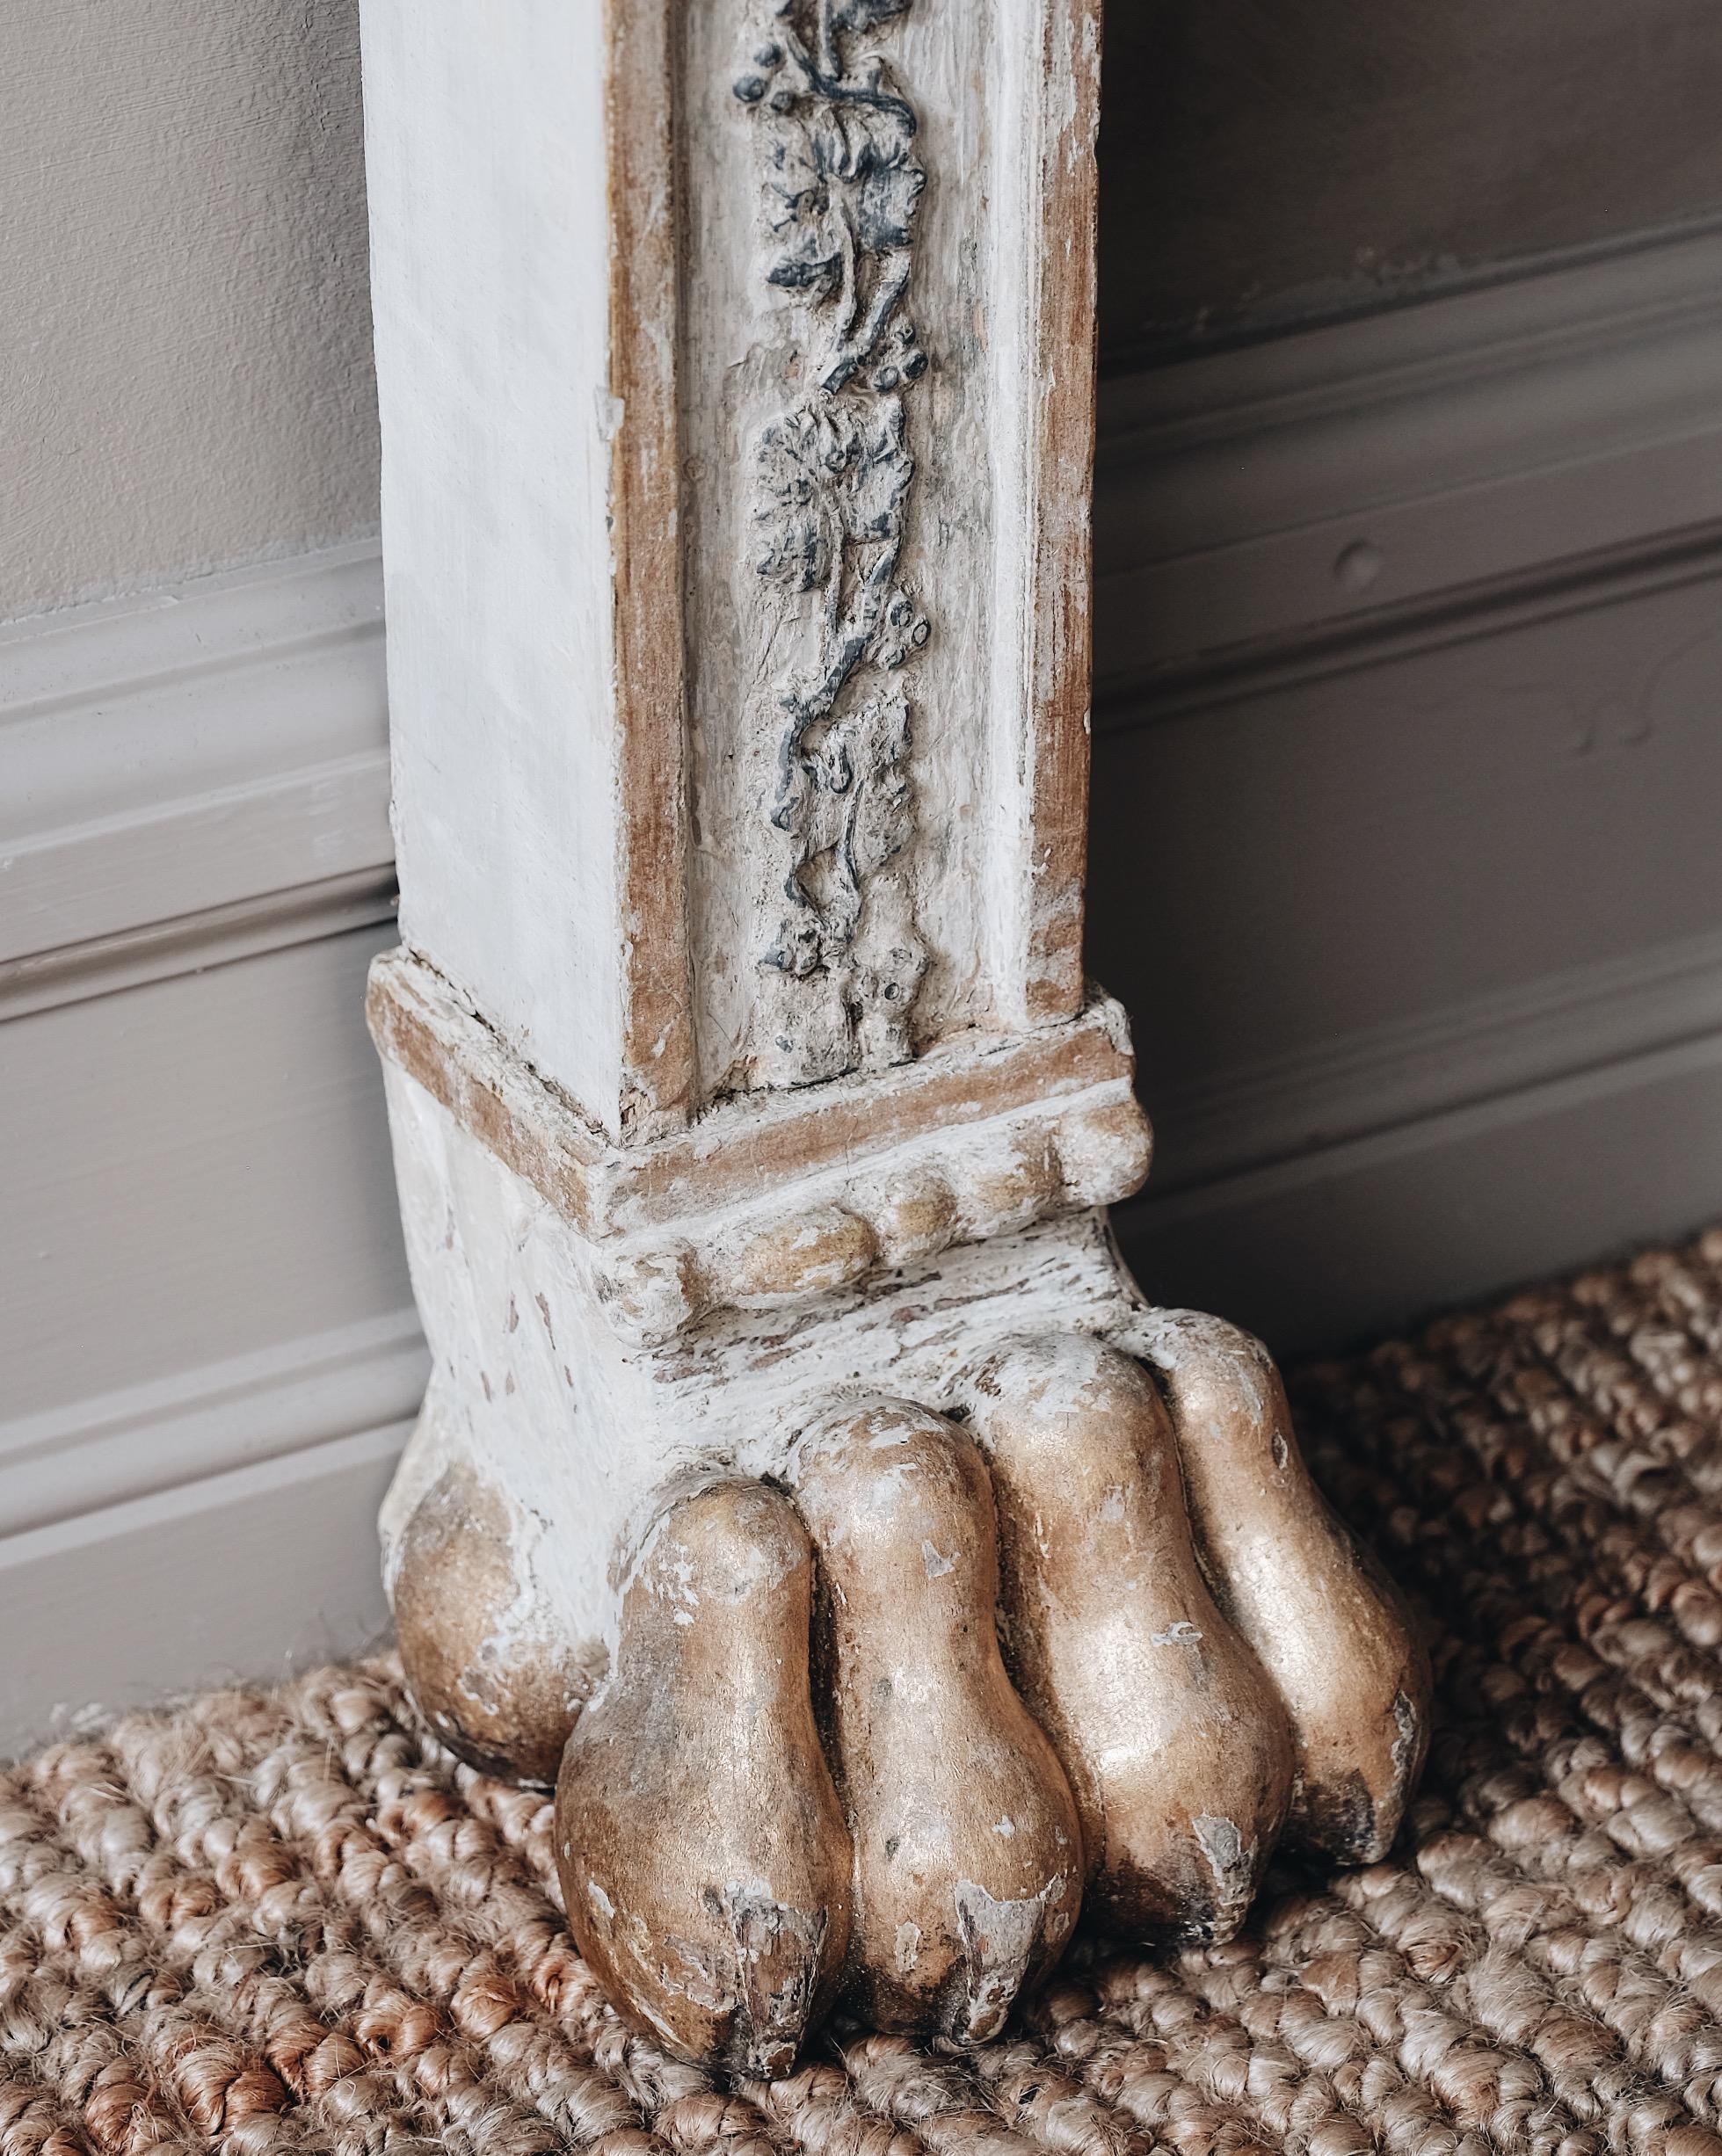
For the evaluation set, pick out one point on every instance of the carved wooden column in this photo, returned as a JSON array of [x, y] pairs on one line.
[[752, 1118]]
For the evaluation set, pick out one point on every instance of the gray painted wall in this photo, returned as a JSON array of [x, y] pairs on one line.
[[184, 346], [1264, 161]]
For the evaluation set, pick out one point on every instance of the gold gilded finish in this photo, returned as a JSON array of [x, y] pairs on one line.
[[1330, 1629], [968, 1852], [1177, 1748], [810, 1776], [503, 1699], [704, 1861]]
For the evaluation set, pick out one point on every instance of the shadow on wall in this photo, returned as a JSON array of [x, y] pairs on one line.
[[1265, 162], [1405, 753]]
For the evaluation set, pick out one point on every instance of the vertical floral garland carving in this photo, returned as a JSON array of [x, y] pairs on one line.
[[842, 185]]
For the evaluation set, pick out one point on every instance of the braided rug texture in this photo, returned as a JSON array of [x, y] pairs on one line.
[[289, 1919]]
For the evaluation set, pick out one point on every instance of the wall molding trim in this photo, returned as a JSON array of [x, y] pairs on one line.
[[194, 942], [1335, 485], [183, 769], [1365, 1084], [163, 1433], [1336, 1243], [285, 1547]]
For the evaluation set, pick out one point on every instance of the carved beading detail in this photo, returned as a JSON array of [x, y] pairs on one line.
[[832, 475], [840, 1230]]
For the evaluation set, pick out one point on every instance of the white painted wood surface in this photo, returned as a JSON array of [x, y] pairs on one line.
[[876, 423], [518, 393], [997, 93], [540, 1396], [484, 147]]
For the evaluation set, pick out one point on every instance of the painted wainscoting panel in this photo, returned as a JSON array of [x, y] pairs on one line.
[[209, 1355], [1347, 1239], [1440, 842], [1407, 762], [1369, 473], [198, 1167]]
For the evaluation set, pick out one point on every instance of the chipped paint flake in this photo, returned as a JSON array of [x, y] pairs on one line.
[[999, 1940]]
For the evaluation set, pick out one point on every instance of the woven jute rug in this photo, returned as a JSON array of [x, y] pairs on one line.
[[289, 1919]]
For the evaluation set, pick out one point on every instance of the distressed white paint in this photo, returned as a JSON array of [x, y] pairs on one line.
[[581, 1431], [742, 356], [510, 161], [771, 1198], [487, 177], [1035, 98], [497, 166]]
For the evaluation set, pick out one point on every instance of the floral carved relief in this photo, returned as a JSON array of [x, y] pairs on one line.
[[842, 184]]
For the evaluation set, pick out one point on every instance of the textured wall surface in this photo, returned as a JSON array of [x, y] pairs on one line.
[[186, 341], [1264, 160]]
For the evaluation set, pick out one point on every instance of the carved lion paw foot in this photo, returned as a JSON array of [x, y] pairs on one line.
[[801, 1474], [813, 1777]]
